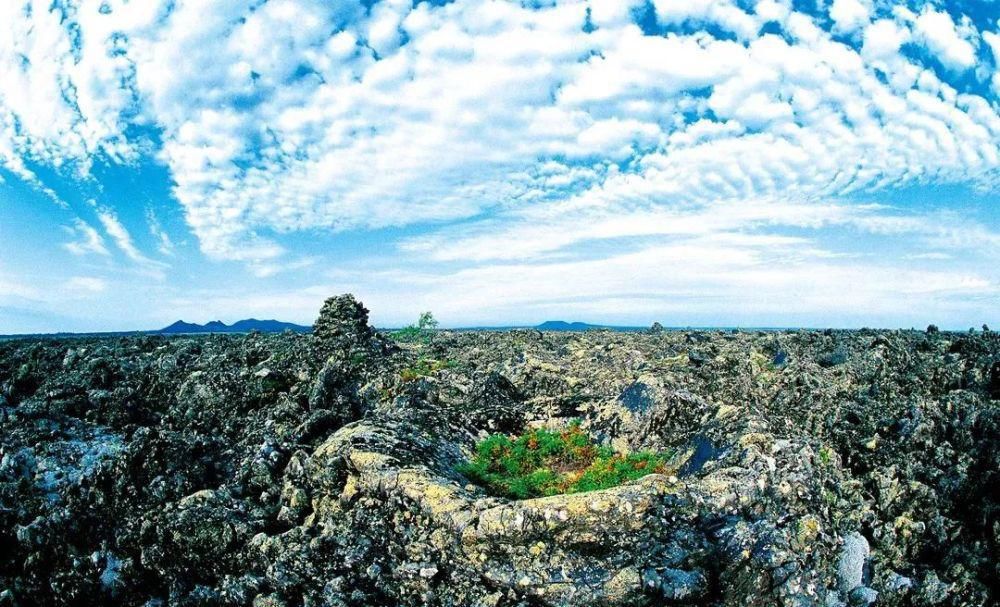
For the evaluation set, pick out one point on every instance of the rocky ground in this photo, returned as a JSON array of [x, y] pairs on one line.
[[808, 468]]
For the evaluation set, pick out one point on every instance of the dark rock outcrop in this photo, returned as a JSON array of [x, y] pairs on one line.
[[804, 468], [342, 329]]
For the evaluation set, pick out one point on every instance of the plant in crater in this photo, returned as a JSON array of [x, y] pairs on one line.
[[550, 462]]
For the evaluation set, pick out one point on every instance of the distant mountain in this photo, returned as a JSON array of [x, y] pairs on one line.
[[240, 326], [266, 326], [561, 325], [182, 327]]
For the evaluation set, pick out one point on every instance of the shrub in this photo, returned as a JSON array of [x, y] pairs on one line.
[[421, 332], [545, 462]]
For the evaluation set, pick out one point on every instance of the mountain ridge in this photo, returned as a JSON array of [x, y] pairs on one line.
[[241, 326], [562, 325]]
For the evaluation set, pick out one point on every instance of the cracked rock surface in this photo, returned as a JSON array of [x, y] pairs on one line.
[[805, 468]]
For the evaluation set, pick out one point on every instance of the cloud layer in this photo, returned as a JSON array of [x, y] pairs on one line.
[[517, 133]]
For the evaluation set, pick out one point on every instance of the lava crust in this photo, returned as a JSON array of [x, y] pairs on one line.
[[805, 468]]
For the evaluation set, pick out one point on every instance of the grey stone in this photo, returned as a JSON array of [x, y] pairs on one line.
[[851, 563], [334, 477], [638, 397], [862, 596], [675, 584], [897, 583]]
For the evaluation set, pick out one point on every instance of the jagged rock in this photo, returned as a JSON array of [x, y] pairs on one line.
[[834, 358], [638, 397], [675, 585], [342, 328], [852, 562], [322, 469], [335, 389], [995, 380], [898, 583], [498, 404], [932, 590], [862, 597]]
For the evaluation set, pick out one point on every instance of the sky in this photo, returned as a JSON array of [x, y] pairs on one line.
[[713, 163]]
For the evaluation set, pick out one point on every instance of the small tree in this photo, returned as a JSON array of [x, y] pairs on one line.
[[427, 322], [422, 331]]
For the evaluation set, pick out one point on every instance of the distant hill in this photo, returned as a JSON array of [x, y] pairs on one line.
[[182, 327], [561, 325], [266, 326], [240, 326]]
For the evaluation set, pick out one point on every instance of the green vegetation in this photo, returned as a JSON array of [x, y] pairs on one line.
[[420, 332], [545, 462], [424, 367], [825, 455]]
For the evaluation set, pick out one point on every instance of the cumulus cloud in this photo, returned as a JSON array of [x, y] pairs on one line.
[[536, 129], [849, 15], [883, 38], [939, 32], [993, 40], [65, 95], [298, 115]]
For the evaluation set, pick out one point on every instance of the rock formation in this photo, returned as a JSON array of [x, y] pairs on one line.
[[806, 468]]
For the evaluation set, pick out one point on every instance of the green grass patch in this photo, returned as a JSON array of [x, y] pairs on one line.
[[424, 367], [545, 462], [825, 456], [422, 332], [411, 334]]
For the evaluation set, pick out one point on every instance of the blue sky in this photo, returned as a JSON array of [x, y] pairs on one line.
[[771, 163]]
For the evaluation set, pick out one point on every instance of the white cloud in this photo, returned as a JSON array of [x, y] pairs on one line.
[[933, 255], [543, 138], [721, 12], [849, 15], [993, 40], [87, 239], [164, 243], [63, 97], [86, 285], [743, 281], [942, 37], [530, 236], [527, 236], [123, 240], [883, 38], [12, 289], [305, 115], [268, 269]]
